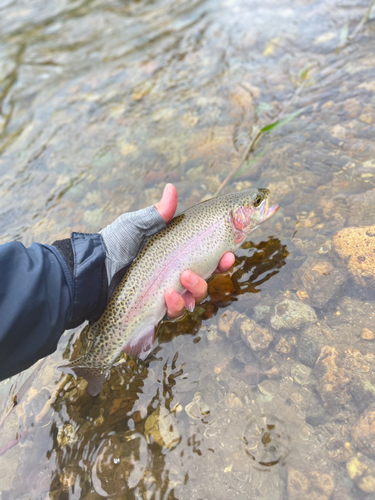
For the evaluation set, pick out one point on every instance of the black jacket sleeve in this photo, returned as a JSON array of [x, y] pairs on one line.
[[44, 290]]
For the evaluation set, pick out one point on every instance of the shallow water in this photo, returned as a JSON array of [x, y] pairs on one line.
[[101, 103]]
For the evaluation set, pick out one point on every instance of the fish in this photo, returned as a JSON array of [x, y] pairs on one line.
[[195, 240]]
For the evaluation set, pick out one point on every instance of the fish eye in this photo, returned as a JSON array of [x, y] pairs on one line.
[[257, 200]]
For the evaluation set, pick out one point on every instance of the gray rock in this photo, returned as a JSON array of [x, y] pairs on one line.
[[308, 350], [322, 281], [292, 314]]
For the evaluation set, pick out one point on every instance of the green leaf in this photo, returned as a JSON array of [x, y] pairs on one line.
[[305, 72], [281, 123], [344, 34], [249, 163]]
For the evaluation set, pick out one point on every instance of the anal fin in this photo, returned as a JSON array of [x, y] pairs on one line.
[[141, 347]]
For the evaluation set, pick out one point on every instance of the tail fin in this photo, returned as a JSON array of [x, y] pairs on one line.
[[94, 376]]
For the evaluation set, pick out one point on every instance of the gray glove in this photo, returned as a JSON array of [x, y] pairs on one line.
[[125, 237]]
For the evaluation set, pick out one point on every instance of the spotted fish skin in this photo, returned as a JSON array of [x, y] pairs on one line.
[[194, 240]]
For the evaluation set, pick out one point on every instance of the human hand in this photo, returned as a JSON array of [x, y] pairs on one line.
[[195, 285]]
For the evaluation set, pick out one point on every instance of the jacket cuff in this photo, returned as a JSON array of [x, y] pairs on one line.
[[84, 255]]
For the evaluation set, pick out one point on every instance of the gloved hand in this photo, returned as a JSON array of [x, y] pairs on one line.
[[125, 237]]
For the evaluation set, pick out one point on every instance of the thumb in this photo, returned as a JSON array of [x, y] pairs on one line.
[[168, 203]]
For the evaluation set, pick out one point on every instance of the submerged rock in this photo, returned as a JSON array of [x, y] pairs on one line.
[[332, 379], [356, 246], [308, 350], [252, 374], [316, 486], [257, 337], [363, 433], [361, 470], [197, 409], [344, 376], [162, 427], [322, 281], [292, 314], [362, 206]]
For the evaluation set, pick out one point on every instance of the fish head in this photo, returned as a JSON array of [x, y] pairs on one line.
[[250, 210]]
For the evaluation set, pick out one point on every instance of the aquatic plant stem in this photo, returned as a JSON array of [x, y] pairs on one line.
[[257, 134], [363, 20]]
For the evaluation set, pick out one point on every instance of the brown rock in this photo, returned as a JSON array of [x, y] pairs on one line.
[[255, 336], [363, 433], [361, 470], [161, 426], [356, 246], [332, 379], [227, 320], [367, 334], [298, 484], [323, 482], [283, 347], [317, 486]]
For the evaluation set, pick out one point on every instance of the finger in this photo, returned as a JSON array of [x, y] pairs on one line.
[[196, 285], [175, 303], [168, 203], [226, 262], [189, 301]]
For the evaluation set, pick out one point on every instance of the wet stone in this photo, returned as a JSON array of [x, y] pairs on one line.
[[302, 375], [197, 409], [363, 433], [161, 427], [292, 314], [367, 334], [227, 323], [66, 435], [361, 470], [322, 281], [316, 414], [332, 379], [356, 246], [283, 347], [313, 486], [308, 350], [361, 207], [252, 374], [257, 337]]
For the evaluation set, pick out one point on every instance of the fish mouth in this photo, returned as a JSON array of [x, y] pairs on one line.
[[266, 212], [271, 211]]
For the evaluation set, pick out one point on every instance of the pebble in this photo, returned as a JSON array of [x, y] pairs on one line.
[[361, 470], [316, 486], [283, 346], [308, 350], [363, 433], [332, 379], [161, 426], [367, 334], [302, 375], [322, 281], [257, 337], [197, 408], [356, 247], [292, 314]]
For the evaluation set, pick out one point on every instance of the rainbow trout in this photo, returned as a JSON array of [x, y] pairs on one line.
[[194, 240]]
